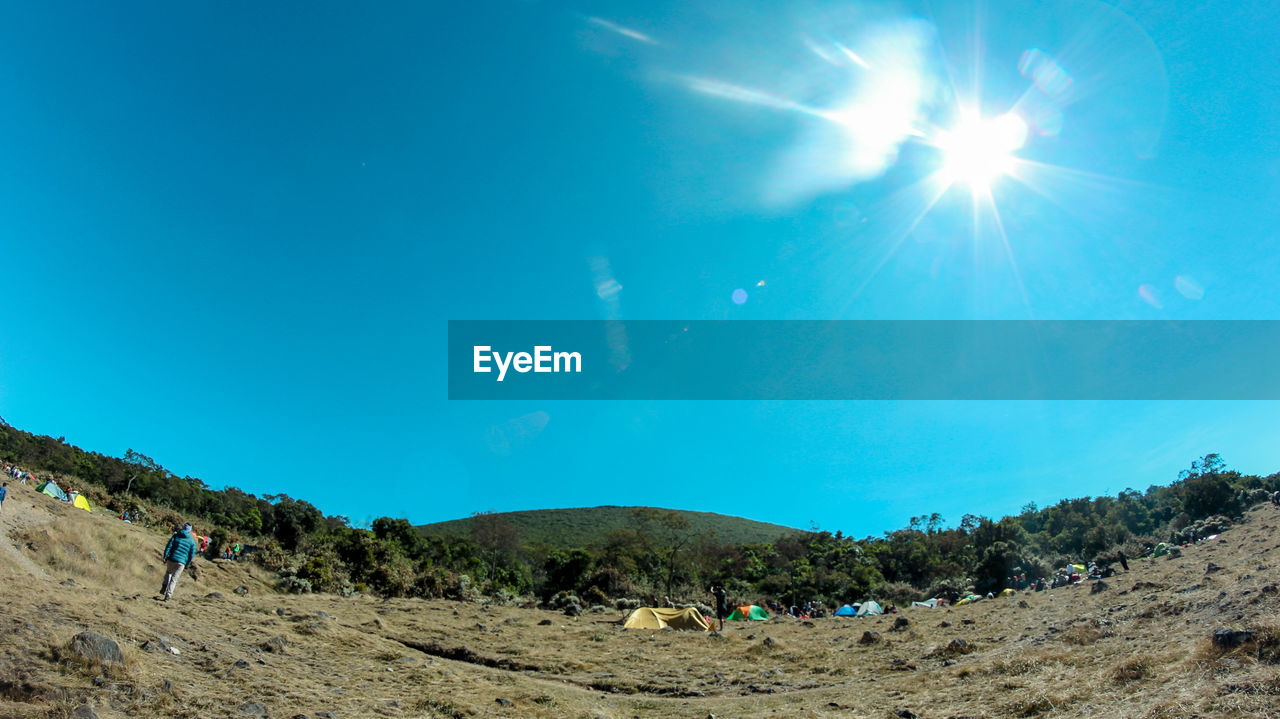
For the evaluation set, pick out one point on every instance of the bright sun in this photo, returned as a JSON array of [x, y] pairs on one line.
[[979, 150]]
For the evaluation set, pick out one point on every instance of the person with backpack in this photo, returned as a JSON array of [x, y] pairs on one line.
[[722, 604], [179, 554]]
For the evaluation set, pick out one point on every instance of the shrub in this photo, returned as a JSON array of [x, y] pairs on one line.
[[951, 589], [595, 596], [295, 585], [895, 593]]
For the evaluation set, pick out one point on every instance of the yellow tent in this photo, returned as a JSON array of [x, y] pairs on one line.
[[1008, 592], [655, 618], [81, 502]]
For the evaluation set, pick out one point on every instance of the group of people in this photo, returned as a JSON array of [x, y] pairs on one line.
[[13, 471], [1066, 576]]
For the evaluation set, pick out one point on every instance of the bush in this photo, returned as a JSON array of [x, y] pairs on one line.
[[951, 589], [594, 596], [895, 593], [218, 541], [610, 582], [295, 585]]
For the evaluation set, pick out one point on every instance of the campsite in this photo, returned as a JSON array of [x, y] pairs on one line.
[[233, 646]]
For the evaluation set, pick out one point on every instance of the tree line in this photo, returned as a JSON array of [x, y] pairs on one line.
[[659, 554]]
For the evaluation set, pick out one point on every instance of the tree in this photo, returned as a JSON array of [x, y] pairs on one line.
[[496, 535], [141, 463], [671, 531]]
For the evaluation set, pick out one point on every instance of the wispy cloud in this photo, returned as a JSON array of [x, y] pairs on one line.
[[622, 30]]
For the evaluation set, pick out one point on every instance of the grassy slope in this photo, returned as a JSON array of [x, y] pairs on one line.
[[1136, 650], [584, 526]]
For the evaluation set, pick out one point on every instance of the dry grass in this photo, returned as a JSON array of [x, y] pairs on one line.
[[1067, 654]]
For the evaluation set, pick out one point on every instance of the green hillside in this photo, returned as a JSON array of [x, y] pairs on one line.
[[583, 526]]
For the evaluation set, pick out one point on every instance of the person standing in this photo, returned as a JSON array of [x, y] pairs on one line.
[[179, 553], [722, 604], [4, 490]]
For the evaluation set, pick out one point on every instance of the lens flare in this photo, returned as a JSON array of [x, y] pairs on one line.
[[979, 150]]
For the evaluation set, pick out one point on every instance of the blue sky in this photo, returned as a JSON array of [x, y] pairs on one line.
[[231, 237]]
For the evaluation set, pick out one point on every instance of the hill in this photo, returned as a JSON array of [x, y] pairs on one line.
[[586, 526], [1140, 647]]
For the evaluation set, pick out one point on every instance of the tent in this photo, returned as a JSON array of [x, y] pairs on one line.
[[51, 489], [1008, 592], [1161, 549], [655, 618], [1078, 569], [750, 611], [847, 610], [930, 604], [869, 608], [81, 503]]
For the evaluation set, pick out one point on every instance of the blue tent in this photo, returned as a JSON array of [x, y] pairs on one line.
[[847, 610]]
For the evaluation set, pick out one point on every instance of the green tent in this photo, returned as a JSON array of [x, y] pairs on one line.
[[53, 490], [750, 611], [1161, 549]]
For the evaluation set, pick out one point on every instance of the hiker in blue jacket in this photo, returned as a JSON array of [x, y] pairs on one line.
[[179, 554]]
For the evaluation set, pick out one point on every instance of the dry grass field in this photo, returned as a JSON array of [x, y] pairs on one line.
[[1141, 648]]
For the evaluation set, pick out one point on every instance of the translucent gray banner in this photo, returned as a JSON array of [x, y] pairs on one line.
[[880, 360]]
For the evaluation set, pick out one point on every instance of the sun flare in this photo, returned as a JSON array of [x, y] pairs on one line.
[[980, 150]]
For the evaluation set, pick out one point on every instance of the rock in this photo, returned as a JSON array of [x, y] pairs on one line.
[[1212, 568], [213, 595], [958, 646], [768, 643], [84, 711], [68, 582], [275, 644], [900, 623], [1022, 604], [322, 614], [1228, 638], [282, 612], [326, 715], [242, 590], [503, 702], [241, 664], [1099, 586], [252, 710], [168, 685], [545, 623], [944, 624], [808, 623], [966, 621], [573, 610], [96, 648], [99, 680], [156, 645], [870, 637], [906, 714]]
